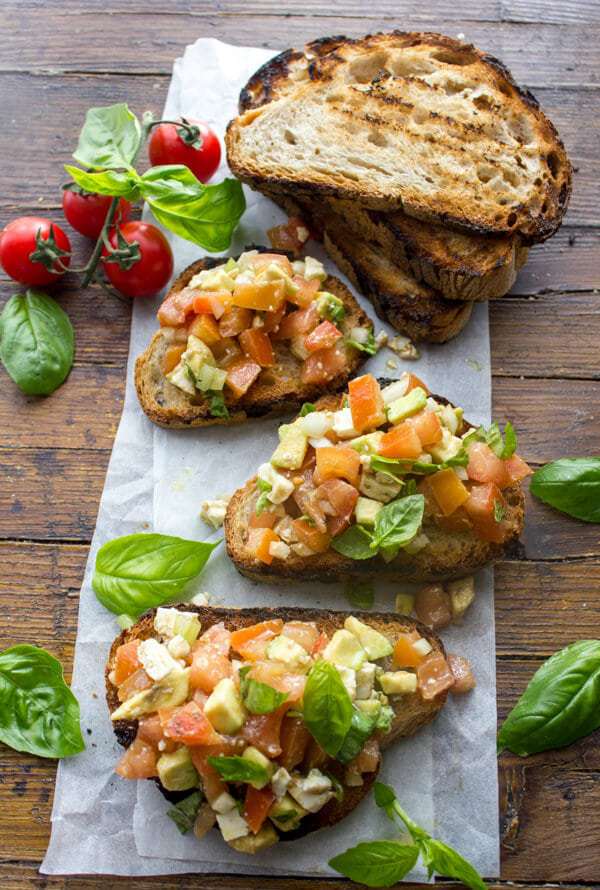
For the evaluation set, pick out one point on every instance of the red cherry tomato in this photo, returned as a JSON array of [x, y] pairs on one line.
[[86, 212], [154, 268], [18, 242], [167, 146]]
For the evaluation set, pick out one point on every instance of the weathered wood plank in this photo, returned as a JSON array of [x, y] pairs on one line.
[[560, 12], [569, 261]]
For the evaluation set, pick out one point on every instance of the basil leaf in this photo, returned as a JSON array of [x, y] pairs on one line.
[[184, 813], [503, 447], [216, 404], [204, 214], [571, 485], [110, 137], [108, 182], [398, 522], [355, 543], [443, 860], [239, 769], [510, 442], [384, 718], [36, 342], [38, 712], [307, 408], [561, 702], [327, 707], [369, 346], [138, 572], [361, 728], [376, 863], [396, 466], [360, 594], [259, 698]]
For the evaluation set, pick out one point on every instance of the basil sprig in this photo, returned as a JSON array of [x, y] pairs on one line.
[[239, 769], [108, 145], [571, 485], [259, 698], [36, 342], [184, 813], [138, 572], [327, 708], [560, 704], [383, 863], [396, 525], [38, 712], [397, 466], [503, 446]]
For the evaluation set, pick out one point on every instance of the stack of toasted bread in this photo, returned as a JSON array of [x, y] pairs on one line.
[[425, 169]]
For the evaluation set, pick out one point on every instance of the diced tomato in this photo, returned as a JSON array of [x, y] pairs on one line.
[[295, 739], [337, 462], [126, 661], [207, 302], [432, 606], [401, 441], [301, 321], [275, 674], [172, 357], [263, 731], [306, 293], [272, 320], [483, 503], [259, 543], [256, 806], [138, 761], [516, 468], [427, 426], [366, 403], [464, 679], [226, 351], [305, 633], [266, 519], [368, 759], [205, 328], [150, 730], [265, 296], [188, 725], [200, 698], [292, 236], [234, 321], [315, 756], [320, 644], [255, 648], [448, 491], [324, 335], [414, 382], [262, 260], [310, 536], [324, 365], [208, 668], [133, 684], [241, 374], [405, 655], [174, 310], [212, 783], [338, 500], [484, 466], [434, 676], [217, 637], [257, 346], [240, 638]]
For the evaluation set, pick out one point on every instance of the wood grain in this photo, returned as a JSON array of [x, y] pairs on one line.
[[560, 12]]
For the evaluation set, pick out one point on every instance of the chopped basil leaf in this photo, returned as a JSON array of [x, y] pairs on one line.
[[370, 345], [238, 769], [307, 408], [184, 813], [259, 698], [216, 404]]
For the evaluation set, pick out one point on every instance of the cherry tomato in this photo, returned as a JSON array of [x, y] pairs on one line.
[[168, 146], [18, 243], [86, 212], [154, 268]]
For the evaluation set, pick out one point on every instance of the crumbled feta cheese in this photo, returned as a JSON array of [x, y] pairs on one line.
[[365, 678], [395, 390], [223, 803], [348, 676], [316, 423], [280, 782], [343, 425], [422, 646], [279, 550], [391, 364], [233, 825], [361, 335], [281, 487], [156, 659], [213, 512], [404, 348], [179, 647], [288, 651], [200, 599], [161, 745], [321, 442], [313, 791]]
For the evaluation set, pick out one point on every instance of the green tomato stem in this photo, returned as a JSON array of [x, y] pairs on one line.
[[90, 268]]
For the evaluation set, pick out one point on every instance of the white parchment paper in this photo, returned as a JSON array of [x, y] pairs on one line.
[[446, 776]]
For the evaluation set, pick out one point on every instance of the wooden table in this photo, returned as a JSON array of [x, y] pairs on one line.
[[59, 58]]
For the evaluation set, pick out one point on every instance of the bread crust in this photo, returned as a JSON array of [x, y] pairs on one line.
[[448, 555], [534, 220], [167, 406], [411, 713]]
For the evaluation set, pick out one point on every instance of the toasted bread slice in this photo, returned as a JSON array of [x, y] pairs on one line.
[[459, 265], [447, 555], [411, 712], [276, 390], [415, 122]]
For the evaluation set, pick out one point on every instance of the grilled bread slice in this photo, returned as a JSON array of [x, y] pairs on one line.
[[412, 121], [461, 266], [447, 555], [411, 712], [275, 392]]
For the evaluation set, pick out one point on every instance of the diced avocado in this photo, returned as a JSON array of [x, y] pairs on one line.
[[224, 707], [375, 644], [398, 682], [448, 447], [369, 706], [367, 444], [210, 378], [345, 648], [407, 405], [168, 693], [252, 843], [449, 417], [462, 594], [286, 813], [366, 510], [181, 377], [255, 756], [405, 603], [330, 307], [197, 354], [170, 623], [380, 486], [214, 279], [291, 450], [176, 770], [230, 265]]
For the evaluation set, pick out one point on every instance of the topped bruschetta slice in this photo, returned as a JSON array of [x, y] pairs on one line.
[[247, 337], [386, 479]]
